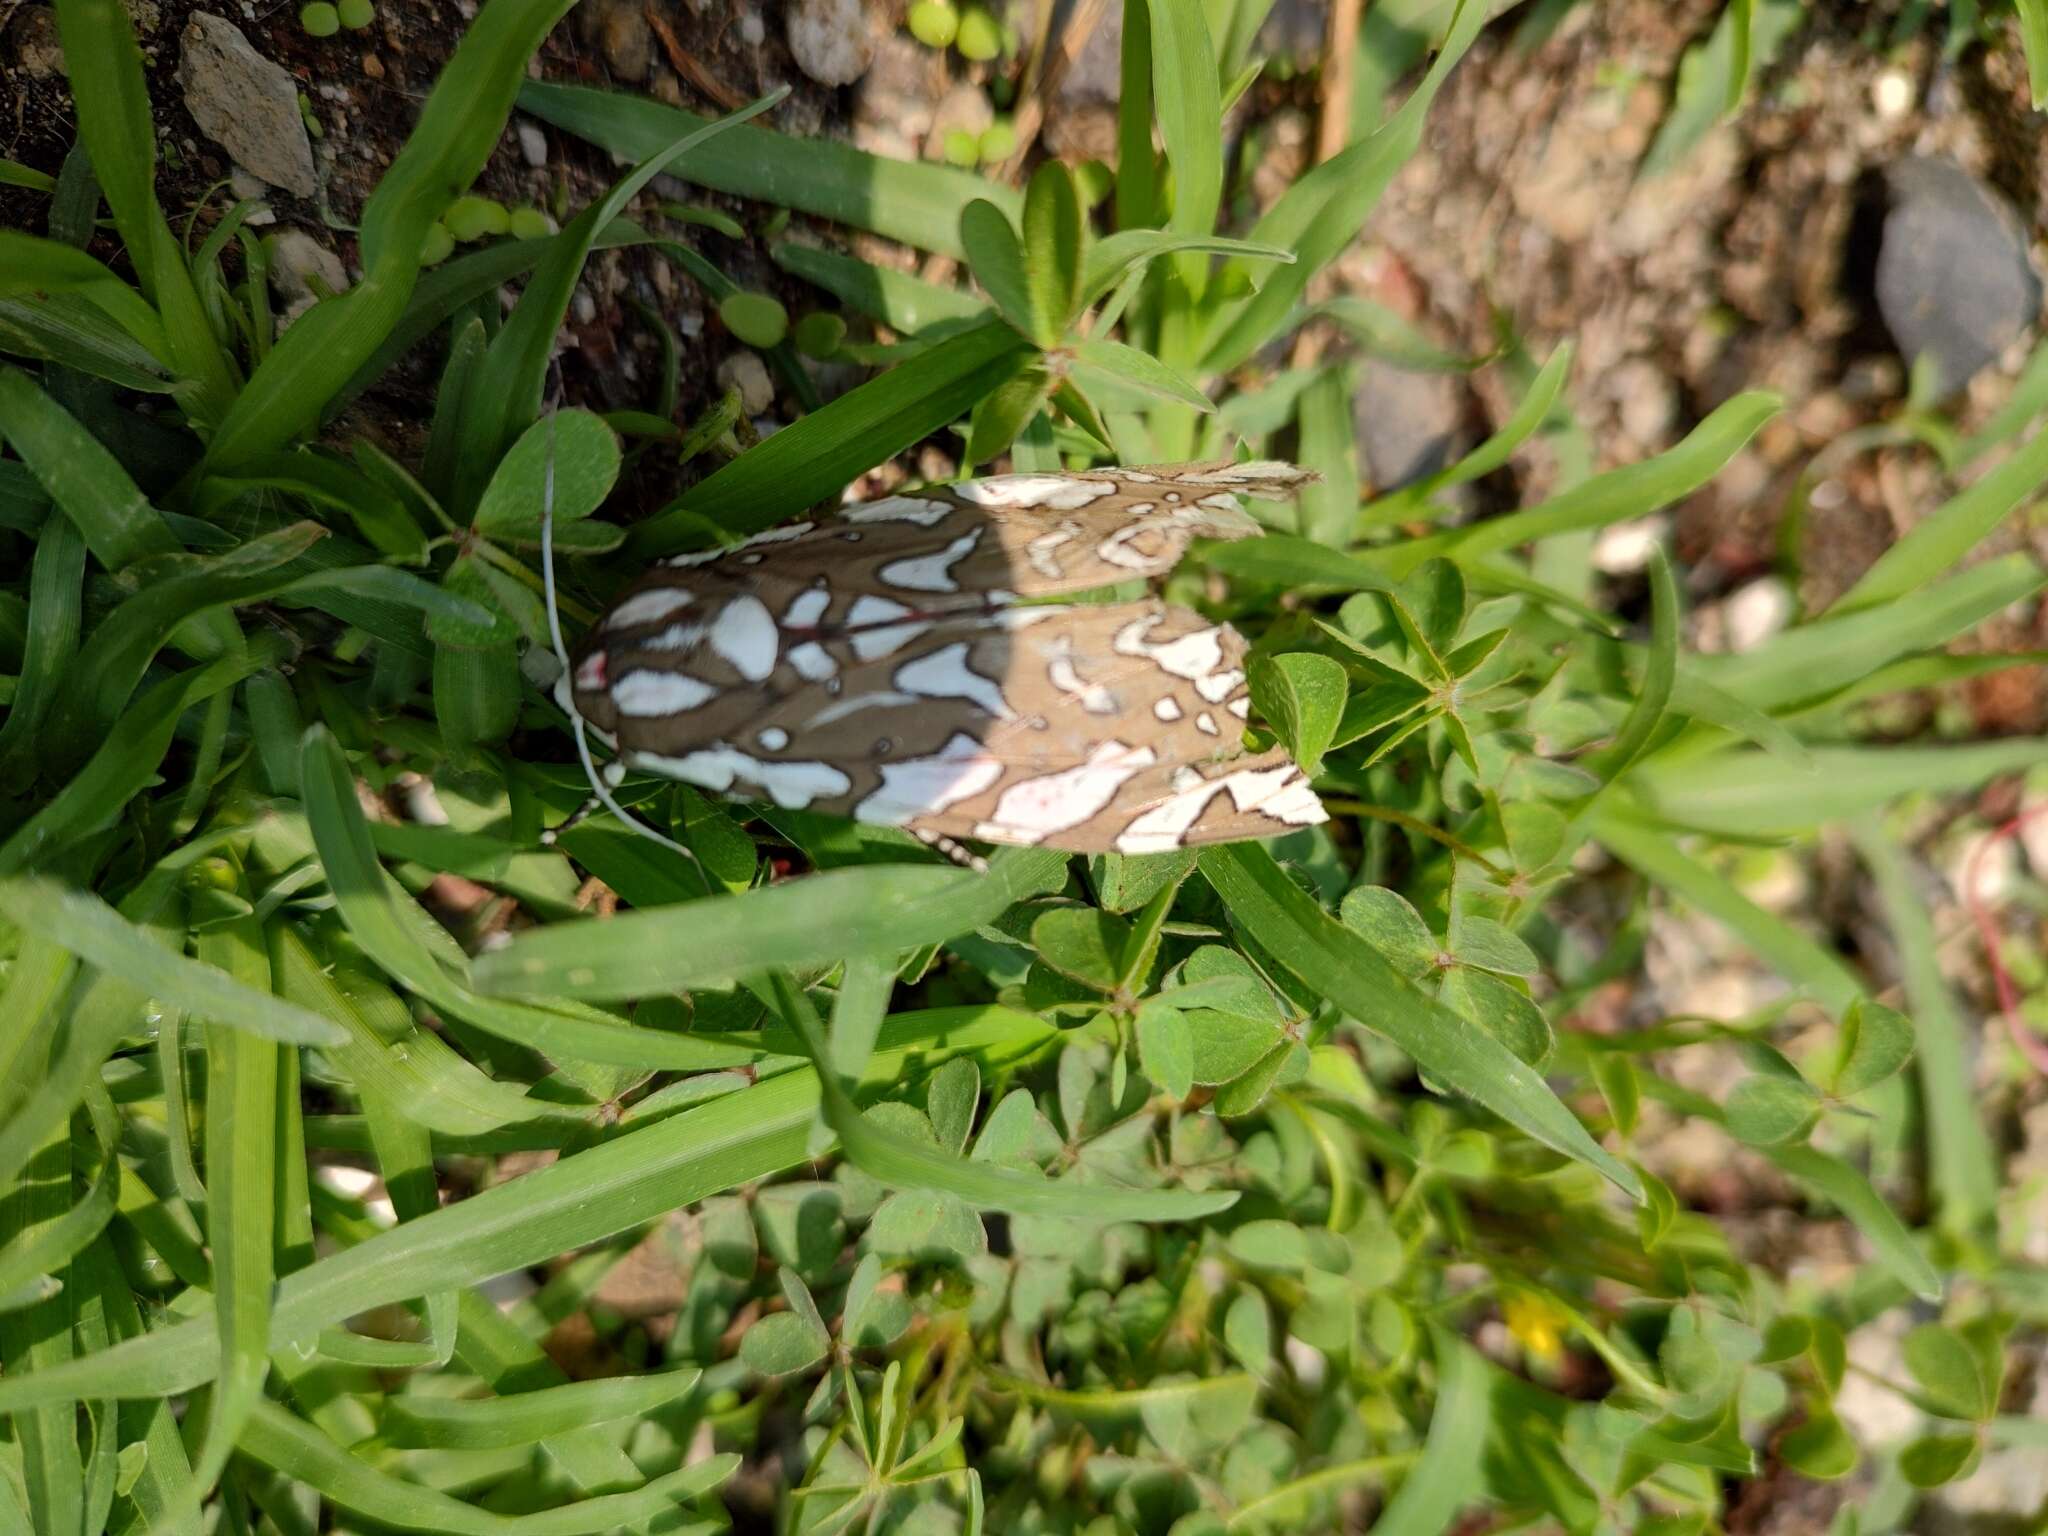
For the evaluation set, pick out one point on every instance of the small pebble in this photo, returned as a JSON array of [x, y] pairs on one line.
[[373, 66], [831, 40], [1625, 548], [583, 307], [533, 145], [753, 31], [746, 372], [1891, 93], [1757, 612]]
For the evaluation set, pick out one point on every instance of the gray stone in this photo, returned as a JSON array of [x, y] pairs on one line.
[[832, 41], [298, 261], [37, 52], [246, 104], [1295, 30], [533, 145], [749, 375], [621, 30], [1954, 283], [1080, 115], [1408, 423]]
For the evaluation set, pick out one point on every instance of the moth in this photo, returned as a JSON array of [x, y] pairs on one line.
[[894, 664]]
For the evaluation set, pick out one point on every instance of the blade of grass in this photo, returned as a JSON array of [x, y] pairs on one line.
[[242, 1113], [31, 265], [1938, 541], [38, 1338], [1340, 965], [1962, 1164], [55, 603], [459, 126], [279, 1439], [903, 303], [1629, 491], [49, 1245], [117, 127], [917, 205], [1812, 660], [1789, 952], [801, 922], [98, 935], [506, 396], [815, 458], [521, 1418], [1748, 795], [1850, 1193], [1322, 213], [1412, 501], [1445, 1480]]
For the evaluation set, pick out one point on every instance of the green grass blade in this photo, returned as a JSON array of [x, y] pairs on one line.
[[39, 1338], [55, 604], [1963, 1166], [124, 764], [1446, 1479], [1629, 491], [459, 126], [1660, 672], [65, 329], [1342, 966], [1813, 660], [1936, 543], [1799, 959], [817, 919], [98, 935], [31, 265], [451, 287], [242, 1112], [521, 1418], [506, 396], [1322, 213], [386, 1053], [918, 205], [298, 1450], [1137, 182], [1411, 502], [82, 477], [815, 458], [2034, 39], [1188, 103], [1747, 795], [904, 303], [46, 1247], [1850, 1193], [117, 126]]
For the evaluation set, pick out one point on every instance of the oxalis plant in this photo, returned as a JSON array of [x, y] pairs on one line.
[[1280, 1187]]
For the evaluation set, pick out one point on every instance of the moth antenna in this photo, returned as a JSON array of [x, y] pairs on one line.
[[958, 852], [599, 793]]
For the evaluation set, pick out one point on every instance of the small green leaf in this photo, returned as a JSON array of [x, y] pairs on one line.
[[1082, 943], [1511, 1017], [1481, 942], [1769, 1111], [1005, 411], [1658, 1210], [1392, 927], [1301, 694], [1053, 236], [1819, 1448], [1270, 1244], [1950, 1373], [951, 1099], [1165, 1050], [1876, 1042], [1243, 1094], [1936, 1459], [783, 1343], [997, 259], [585, 456]]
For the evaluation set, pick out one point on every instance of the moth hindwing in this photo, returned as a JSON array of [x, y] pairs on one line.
[[895, 664]]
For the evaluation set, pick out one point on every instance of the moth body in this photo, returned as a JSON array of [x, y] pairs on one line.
[[894, 664]]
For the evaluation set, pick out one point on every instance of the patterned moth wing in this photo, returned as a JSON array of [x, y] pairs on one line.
[[880, 665]]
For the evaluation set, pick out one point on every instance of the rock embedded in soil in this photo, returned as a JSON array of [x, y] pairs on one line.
[[33, 42], [297, 263], [1954, 282], [620, 30], [1407, 422], [832, 41], [246, 104], [746, 372]]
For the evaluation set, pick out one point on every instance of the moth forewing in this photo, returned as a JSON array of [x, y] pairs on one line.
[[880, 665]]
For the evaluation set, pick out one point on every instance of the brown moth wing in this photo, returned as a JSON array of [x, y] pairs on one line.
[[876, 666], [1029, 535]]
